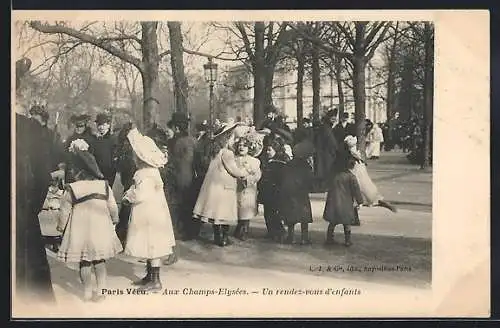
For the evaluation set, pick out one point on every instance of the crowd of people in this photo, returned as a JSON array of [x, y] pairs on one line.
[[174, 182]]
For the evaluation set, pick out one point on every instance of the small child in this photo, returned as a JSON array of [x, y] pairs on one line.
[[371, 195], [340, 205], [269, 188], [296, 185], [246, 149], [87, 216], [150, 233]]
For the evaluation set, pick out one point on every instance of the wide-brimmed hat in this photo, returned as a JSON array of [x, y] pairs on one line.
[[146, 149], [84, 160], [102, 118], [228, 127]]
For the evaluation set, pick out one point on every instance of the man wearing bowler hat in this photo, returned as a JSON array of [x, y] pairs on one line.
[[104, 147]]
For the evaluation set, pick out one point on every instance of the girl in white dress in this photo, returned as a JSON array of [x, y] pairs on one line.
[[247, 149], [371, 195], [150, 234], [87, 217]]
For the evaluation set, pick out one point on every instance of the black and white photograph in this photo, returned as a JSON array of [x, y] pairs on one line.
[[245, 165]]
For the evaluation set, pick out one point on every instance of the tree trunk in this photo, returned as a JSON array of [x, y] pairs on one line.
[[359, 101], [428, 94], [259, 72], [150, 79], [177, 62], [340, 85], [300, 89], [316, 84], [359, 85], [390, 90], [269, 77]]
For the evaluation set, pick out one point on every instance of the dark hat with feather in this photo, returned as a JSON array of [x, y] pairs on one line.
[[82, 159]]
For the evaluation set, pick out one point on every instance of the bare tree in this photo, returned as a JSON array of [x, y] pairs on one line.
[[362, 39], [136, 44], [258, 45]]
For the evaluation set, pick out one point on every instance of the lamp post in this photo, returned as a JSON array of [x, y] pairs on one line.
[[210, 69]]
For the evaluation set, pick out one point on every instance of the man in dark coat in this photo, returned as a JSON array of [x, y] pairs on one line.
[[344, 128], [327, 148], [183, 189], [103, 147], [33, 167]]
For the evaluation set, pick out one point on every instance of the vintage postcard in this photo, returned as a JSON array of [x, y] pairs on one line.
[[250, 164]]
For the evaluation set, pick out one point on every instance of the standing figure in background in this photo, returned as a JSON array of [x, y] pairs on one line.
[[374, 140], [327, 147], [344, 128], [247, 149], [183, 195], [104, 148]]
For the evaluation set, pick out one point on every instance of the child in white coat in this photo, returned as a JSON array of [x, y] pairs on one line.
[[370, 193], [150, 233]]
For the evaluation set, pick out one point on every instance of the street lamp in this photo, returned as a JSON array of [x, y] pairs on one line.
[[210, 69]]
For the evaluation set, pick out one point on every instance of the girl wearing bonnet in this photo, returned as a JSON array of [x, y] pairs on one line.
[[150, 233], [369, 191], [247, 149]]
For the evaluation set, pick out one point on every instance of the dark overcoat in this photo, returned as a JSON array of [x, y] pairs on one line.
[[294, 191], [104, 148], [343, 192], [33, 167], [326, 146]]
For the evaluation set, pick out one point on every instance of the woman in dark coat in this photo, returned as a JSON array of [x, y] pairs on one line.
[[326, 150], [33, 167], [294, 193]]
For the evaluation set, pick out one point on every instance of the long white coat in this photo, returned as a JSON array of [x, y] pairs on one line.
[[150, 233], [217, 201]]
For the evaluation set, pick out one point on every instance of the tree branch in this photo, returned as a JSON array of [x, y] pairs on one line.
[[377, 42], [320, 43], [246, 41], [87, 38]]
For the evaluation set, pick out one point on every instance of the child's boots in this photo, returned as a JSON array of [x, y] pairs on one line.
[[154, 285], [147, 278]]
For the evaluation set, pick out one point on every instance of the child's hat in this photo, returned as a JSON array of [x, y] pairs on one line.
[[84, 160], [145, 148]]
